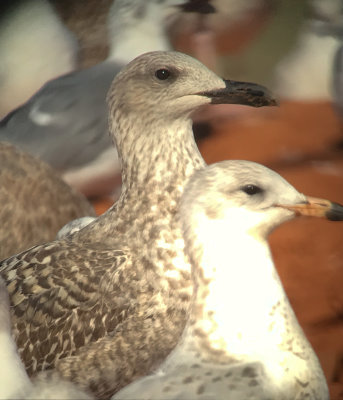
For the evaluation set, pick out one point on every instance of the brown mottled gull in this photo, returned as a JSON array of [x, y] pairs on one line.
[[107, 304], [242, 340], [35, 202]]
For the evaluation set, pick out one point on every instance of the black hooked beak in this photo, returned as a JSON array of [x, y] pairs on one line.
[[244, 93], [198, 6]]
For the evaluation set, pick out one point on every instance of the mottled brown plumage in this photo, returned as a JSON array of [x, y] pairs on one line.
[[108, 303], [35, 202], [14, 382]]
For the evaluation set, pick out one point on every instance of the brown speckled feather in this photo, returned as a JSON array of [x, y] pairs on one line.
[[72, 298], [35, 201]]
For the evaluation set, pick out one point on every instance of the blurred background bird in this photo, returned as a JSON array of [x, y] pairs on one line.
[[65, 122], [35, 202], [28, 30], [338, 81]]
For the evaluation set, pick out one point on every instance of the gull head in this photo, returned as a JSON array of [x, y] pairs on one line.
[[243, 197], [164, 86]]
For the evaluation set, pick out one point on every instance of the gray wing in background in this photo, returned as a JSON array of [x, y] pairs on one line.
[[65, 122]]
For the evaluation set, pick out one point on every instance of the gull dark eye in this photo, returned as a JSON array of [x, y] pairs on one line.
[[162, 74], [251, 189]]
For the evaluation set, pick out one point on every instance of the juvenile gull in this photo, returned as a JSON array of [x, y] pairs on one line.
[[35, 203], [14, 382], [108, 303], [65, 122], [242, 339]]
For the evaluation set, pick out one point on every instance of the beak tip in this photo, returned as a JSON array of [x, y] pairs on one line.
[[335, 213], [263, 98], [270, 101]]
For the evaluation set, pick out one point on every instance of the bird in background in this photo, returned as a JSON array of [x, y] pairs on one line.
[[318, 41], [66, 124], [35, 46], [338, 81], [35, 202]]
